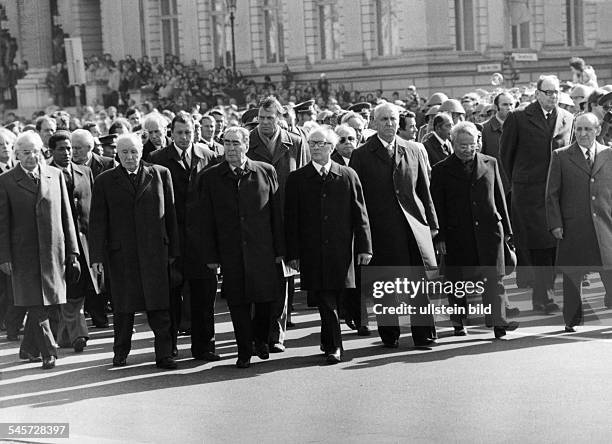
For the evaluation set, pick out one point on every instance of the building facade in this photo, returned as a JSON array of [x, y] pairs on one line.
[[449, 45]]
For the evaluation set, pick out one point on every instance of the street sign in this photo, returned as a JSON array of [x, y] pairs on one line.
[[74, 61], [525, 56], [489, 67]]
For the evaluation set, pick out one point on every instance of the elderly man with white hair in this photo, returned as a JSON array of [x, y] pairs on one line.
[[393, 173], [133, 224], [155, 125], [38, 243], [82, 153]]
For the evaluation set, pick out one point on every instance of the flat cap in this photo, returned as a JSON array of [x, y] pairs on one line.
[[304, 107], [249, 116], [605, 99], [109, 139], [359, 107]]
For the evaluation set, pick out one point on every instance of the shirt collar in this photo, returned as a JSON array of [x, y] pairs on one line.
[[387, 145], [180, 151], [130, 172], [242, 166], [592, 149], [442, 142], [501, 122], [318, 167], [35, 171]]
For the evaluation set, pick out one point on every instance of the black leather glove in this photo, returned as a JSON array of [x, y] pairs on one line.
[[73, 272]]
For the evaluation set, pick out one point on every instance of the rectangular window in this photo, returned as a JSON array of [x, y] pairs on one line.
[[464, 25], [329, 31], [169, 25], [387, 28], [575, 23], [275, 40]]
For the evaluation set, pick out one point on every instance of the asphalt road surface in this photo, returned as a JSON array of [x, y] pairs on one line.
[[540, 384]]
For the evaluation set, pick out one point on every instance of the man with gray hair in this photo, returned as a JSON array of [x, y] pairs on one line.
[[38, 243], [470, 204], [242, 233], [82, 153], [155, 125], [139, 248], [403, 220], [528, 138]]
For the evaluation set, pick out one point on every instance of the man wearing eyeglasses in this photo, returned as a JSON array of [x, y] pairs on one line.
[[527, 140], [286, 152], [325, 221]]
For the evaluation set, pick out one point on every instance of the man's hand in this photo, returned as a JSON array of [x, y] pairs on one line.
[[213, 266], [434, 232], [71, 258], [364, 258], [98, 268], [6, 268], [557, 233], [295, 264], [441, 247]]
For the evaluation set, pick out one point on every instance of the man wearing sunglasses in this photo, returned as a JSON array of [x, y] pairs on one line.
[[527, 140]]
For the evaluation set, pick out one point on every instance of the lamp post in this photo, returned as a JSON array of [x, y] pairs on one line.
[[231, 6]]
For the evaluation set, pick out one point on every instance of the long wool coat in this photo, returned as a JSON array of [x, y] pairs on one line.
[[321, 219], [471, 210], [136, 230], [579, 200], [397, 197], [526, 145], [36, 234], [242, 230]]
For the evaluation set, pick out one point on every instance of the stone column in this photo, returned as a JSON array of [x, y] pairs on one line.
[[35, 45]]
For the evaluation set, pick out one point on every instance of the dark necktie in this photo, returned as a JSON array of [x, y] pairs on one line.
[[467, 166], [589, 159], [323, 173], [133, 179], [33, 177], [238, 172]]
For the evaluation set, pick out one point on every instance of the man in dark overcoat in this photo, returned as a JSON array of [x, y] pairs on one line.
[[403, 220], [528, 138], [133, 223], [38, 243], [468, 194], [243, 234], [579, 214], [438, 146], [72, 330], [185, 159], [286, 152], [324, 211], [82, 154]]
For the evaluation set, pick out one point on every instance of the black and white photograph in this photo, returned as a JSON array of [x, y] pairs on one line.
[[310, 221]]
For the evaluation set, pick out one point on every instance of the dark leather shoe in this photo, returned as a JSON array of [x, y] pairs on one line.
[[424, 343], [12, 338], [277, 348], [119, 361], [512, 312], [334, 357], [167, 363], [551, 307], [351, 324], [262, 351], [363, 331], [28, 356], [570, 329], [539, 307], [48, 363], [101, 324], [175, 352], [460, 331], [499, 332], [206, 356], [243, 363], [391, 344], [79, 344]]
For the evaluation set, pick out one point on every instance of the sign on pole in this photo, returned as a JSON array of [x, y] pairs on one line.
[[74, 61]]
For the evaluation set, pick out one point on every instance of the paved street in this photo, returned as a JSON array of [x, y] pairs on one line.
[[538, 385]]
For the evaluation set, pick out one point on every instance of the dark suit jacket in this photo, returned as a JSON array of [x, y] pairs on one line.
[[100, 164], [136, 229], [243, 231], [435, 152], [321, 218], [37, 234], [148, 148], [525, 148], [290, 154], [471, 212], [579, 200], [491, 133], [337, 157], [215, 147], [397, 197]]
